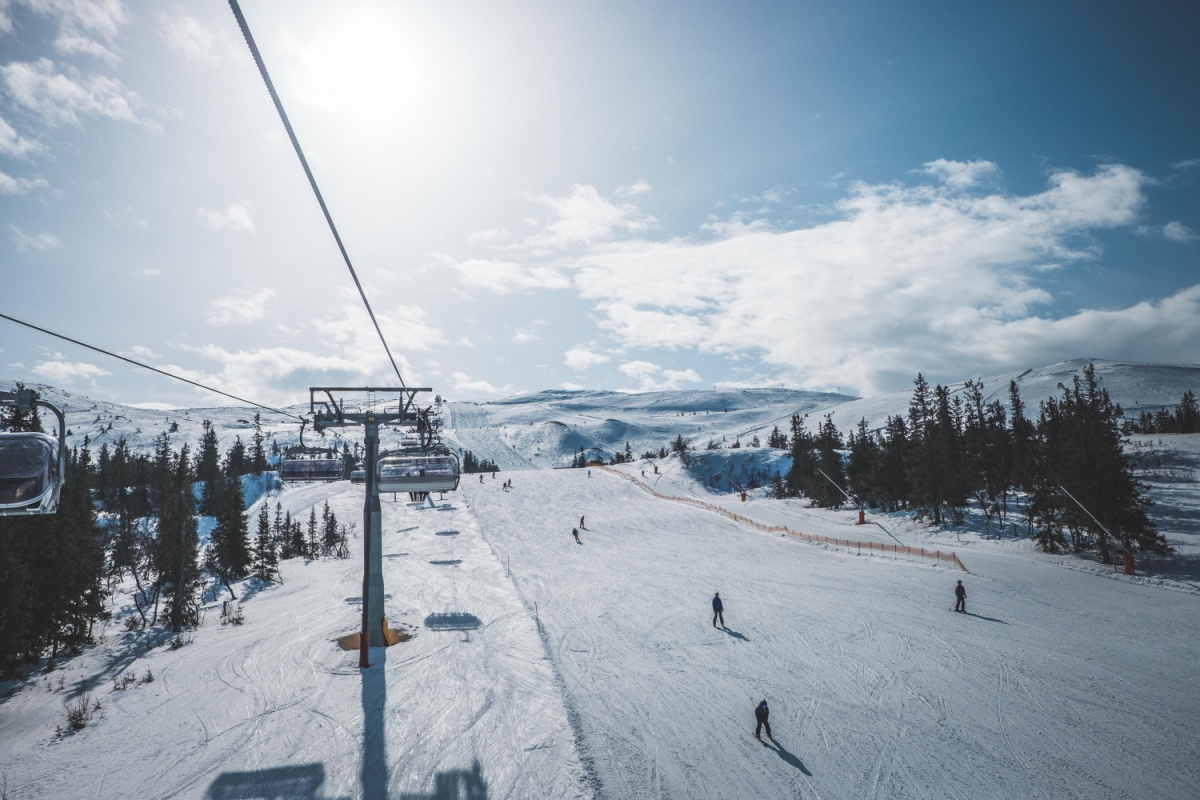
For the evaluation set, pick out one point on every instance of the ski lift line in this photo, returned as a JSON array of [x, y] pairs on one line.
[[262, 68], [152, 369]]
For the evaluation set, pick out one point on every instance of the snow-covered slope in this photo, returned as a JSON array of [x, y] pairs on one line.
[[545, 668]]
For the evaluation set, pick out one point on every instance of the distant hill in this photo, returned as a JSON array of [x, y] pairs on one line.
[[547, 429]]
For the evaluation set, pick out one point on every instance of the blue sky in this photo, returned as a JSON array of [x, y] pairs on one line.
[[611, 195]]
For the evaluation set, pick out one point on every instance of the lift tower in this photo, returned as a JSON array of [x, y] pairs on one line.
[[331, 412]]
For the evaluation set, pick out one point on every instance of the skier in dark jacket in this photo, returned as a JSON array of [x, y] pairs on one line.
[[718, 610], [761, 714], [960, 592], [575, 533]]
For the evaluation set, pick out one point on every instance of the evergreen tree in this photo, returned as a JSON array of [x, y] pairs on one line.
[[208, 469], [176, 548], [266, 562], [824, 491], [258, 454], [800, 478], [1082, 456], [329, 528], [228, 554], [312, 548]]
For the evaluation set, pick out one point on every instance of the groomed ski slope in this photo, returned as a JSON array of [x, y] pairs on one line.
[[1061, 683]]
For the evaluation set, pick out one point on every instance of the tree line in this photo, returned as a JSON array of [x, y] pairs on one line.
[[135, 516], [1065, 470]]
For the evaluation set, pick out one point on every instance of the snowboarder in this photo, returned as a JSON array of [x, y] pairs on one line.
[[761, 714], [575, 533], [960, 592], [718, 610], [481, 479], [581, 524]]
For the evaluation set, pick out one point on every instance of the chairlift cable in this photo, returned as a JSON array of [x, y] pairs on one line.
[[152, 369], [262, 68]]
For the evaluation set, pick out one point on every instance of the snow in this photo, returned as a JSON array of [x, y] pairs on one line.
[[539, 667]]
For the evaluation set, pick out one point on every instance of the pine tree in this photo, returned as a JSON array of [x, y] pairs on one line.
[[176, 548], [208, 469], [228, 554], [329, 528], [266, 562], [258, 455], [1082, 456], [312, 547]]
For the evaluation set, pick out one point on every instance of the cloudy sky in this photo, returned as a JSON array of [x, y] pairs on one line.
[[601, 195]]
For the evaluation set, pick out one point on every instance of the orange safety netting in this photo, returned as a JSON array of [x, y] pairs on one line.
[[895, 550]]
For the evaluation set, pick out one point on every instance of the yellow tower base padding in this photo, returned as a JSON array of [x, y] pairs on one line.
[[390, 637]]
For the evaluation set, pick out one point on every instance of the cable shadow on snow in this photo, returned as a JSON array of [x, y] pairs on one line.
[[298, 782]]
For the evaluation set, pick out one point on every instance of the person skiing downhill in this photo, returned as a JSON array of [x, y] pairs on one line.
[[581, 524], [960, 592], [575, 533], [718, 609], [761, 715]]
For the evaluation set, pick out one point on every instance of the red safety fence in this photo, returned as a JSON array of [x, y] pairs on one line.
[[895, 550]]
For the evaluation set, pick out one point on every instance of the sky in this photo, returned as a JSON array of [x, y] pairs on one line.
[[594, 195]]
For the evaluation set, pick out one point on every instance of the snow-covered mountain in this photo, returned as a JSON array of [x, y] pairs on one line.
[[545, 668]]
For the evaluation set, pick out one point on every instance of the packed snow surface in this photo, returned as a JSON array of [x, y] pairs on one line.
[[544, 668]]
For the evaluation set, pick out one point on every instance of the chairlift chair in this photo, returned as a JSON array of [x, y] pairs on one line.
[[32, 465], [418, 473], [310, 470]]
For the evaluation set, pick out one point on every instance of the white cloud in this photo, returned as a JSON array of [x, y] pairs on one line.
[[505, 277], [63, 98], [584, 217], [647, 374], [275, 376], [1187, 164], [147, 273], [234, 218], [490, 235], [138, 351], [14, 186], [902, 279], [463, 384], [571, 387], [187, 35], [77, 44], [579, 358], [407, 328], [64, 373], [1178, 232], [960, 174], [529, 334], [249, 306], [38, 241], [13, 144], [633, 190]]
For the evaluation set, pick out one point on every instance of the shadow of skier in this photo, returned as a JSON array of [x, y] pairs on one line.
[[787, 757], [735, 634]]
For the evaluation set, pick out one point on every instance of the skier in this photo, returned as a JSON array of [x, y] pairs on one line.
[[761, 714], [718, 610], [960, 592], [575, 533], [481, 479], [581, 524]]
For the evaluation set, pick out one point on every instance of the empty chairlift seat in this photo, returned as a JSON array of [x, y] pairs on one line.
[[418, 473], [311, 470], [30, 476]]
